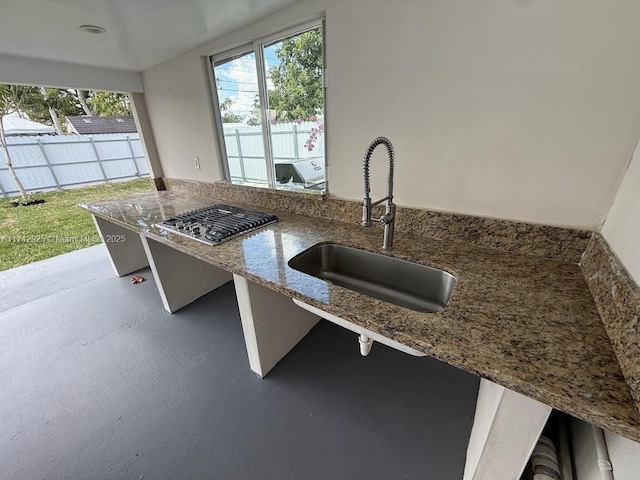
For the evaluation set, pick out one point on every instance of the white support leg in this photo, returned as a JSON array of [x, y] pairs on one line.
[[271, 322], [505, 431], [181, 278], [125, 249]]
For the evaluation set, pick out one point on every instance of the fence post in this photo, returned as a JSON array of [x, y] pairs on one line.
[[239, 144], [95, 150], [133, 157], [2, 192], [296, 154], [46, 160], [4, 161]]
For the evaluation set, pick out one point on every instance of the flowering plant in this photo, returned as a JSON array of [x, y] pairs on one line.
[[310, 144]]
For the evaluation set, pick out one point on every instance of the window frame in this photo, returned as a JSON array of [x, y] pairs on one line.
[[257, 47]]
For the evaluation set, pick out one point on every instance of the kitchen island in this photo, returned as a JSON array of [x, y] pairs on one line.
[[524, 322]]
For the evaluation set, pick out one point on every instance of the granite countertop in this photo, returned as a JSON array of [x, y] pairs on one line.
[[524, 322]]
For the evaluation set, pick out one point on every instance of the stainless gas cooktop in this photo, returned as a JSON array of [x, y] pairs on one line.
[[216, 224]]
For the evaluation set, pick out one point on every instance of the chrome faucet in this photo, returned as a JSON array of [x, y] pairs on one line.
[[388, 219]]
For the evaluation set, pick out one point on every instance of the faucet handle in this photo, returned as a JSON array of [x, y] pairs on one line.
[[389, 214], [386, 219]]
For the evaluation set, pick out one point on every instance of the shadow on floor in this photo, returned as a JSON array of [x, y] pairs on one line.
[[98, 381]]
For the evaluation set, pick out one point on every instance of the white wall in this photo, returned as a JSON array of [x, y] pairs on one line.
[[622, 228], [30, 71], [178, 103], [624, 454], [584, 451], [514, 109]]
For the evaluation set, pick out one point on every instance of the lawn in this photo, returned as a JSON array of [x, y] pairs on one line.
[[57, 226]]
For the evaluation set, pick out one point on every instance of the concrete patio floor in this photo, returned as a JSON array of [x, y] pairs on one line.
[[99, 382]]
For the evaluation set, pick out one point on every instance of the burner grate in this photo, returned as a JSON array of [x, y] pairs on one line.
[[216, 224]]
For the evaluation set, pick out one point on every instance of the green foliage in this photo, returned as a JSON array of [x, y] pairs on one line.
[[255, 117], [297, 79], [109, 104], [35, 103], [6, 99], [14, 98], [62, 101], [227, 115]]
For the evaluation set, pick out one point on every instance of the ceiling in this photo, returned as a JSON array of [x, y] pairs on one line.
[[140, 33]]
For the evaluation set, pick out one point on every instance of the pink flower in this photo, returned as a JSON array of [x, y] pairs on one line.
[[298, 121], [313, 118], [310, 144]]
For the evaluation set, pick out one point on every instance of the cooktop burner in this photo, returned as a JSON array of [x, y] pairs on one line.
[[216, 224]]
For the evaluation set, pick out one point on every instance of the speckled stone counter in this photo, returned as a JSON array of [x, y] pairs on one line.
[[527, 323], [617, 298], [556, 243]]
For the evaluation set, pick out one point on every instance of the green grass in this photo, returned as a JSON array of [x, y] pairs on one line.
[[57, 226]]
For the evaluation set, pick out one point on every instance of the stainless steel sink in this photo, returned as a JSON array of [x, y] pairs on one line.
[[403, 283]]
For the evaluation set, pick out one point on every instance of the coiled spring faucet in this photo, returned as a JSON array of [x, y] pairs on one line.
[[388, 219]]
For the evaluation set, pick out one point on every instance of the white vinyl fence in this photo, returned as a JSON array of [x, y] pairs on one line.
[[245, 148], [52, 162]]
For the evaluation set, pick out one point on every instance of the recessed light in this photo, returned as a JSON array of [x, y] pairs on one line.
[[92, 29]]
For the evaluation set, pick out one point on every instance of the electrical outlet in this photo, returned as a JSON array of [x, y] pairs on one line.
[[196, 163]]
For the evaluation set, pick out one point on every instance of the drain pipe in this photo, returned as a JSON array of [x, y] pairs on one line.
[[365, 345], [564, 449], [606, 469]]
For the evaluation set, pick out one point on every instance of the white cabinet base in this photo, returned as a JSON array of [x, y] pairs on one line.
[[505, 431], [271, 322], [181, 278], [124, 246]]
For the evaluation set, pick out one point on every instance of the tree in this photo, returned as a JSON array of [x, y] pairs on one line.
[[227, 115], [52, 111], [255, 116], [12, 98], [82, 98], [51, 106], [297, 78], [109, 104]]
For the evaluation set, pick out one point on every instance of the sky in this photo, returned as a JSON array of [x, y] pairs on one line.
[[238, 79]]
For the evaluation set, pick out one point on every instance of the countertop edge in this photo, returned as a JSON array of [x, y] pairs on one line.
[[588, 413]]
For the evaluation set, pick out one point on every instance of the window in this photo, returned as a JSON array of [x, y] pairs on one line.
[[269, 103]]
